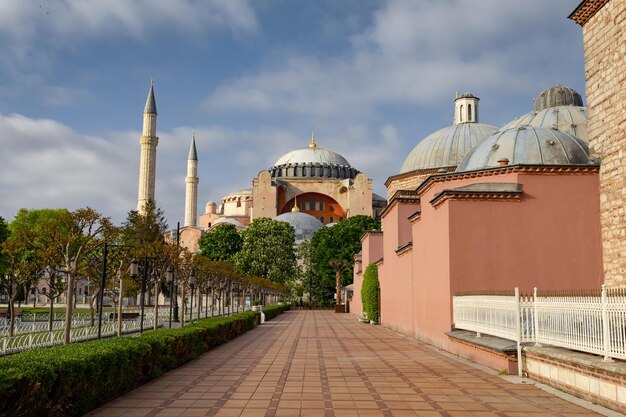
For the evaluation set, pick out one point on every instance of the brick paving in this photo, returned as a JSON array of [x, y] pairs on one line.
[[318, 363]]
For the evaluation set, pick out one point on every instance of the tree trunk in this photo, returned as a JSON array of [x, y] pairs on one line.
[[156, 305], [11, 317], [50, 314], [119, 308], [69, 309], [182, 322], [338, 278]]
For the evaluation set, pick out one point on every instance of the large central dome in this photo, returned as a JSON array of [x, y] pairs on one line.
[[313, 161]]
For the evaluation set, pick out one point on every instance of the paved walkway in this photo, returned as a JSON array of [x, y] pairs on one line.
[[317, 363]]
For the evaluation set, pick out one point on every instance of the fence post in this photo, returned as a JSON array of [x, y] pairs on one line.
[[535, 319], [518, 319], [605, 326]]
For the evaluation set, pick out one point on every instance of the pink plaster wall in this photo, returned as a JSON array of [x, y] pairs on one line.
[[371, 251], [549, 240]]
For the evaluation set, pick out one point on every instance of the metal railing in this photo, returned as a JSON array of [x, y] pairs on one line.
[[587, 321], [44, 339]]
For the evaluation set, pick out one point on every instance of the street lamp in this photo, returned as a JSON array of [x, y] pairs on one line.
[[192, 282], [169, 277], [134, 271]]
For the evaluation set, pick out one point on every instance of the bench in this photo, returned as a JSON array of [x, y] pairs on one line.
[[125, 316]]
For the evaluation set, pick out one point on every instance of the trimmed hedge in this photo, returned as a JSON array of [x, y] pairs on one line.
[[73, 379], [273, 311], [369, 292]]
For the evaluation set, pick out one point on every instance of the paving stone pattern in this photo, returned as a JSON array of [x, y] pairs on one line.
[[318, 363]]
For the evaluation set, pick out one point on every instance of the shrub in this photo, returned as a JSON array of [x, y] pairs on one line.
[[273, 311], [369, 292], [73, 379]]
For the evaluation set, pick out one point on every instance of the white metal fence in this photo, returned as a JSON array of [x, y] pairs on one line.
[[587, 321], [44, 339]]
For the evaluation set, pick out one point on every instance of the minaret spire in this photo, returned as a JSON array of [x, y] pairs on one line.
[[191, 185], [147, 162], [295, 208]]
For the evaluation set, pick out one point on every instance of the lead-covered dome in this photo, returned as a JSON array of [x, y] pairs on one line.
[[446, 147], [527, 145], [304, 224], [313, 161], [559, 95], [557, 107]]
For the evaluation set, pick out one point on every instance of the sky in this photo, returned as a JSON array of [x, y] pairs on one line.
[[252, 79]]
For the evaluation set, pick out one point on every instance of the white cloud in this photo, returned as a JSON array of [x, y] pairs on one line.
[[417, 53]]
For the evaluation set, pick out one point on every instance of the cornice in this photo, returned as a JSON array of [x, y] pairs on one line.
[[586, 10]]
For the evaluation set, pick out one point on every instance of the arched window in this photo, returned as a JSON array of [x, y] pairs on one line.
[[331, 207], [322, 219], [461, 113], [469, 112], [331, 220]]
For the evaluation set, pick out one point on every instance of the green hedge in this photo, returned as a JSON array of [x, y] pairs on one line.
[[273, 311], [73, 379], [369, 292]]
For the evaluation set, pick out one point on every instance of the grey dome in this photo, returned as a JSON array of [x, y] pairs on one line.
[[313, 162], [558, 95], [446, 147], [527, 145], [310, 155], [568, 119], [242, 192], [304, 224]]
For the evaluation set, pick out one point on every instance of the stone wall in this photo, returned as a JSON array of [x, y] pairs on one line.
[[605, 67]]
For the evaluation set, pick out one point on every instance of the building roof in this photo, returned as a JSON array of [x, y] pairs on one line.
[[223, 220], [312, 155], [586, 10], [527, 145], [446, 147], [559, 95], [304, 224], [568, 119], [193, 155], [150, 101]]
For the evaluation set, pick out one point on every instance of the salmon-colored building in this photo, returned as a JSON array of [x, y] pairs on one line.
[[521, 209]]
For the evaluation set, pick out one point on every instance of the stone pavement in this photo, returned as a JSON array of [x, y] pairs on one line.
[[318, 363]]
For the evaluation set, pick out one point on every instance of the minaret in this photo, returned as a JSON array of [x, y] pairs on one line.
[[191, 190], [465, 108], [149, 142]]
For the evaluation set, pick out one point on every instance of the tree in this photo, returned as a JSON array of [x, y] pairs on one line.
[[341, 241], [308, 278], [338, 265], [268, 250], [221, 243]]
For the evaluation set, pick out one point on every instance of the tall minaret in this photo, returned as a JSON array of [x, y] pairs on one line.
[[191, 190], [149, 142]]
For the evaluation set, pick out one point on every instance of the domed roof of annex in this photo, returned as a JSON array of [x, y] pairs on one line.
[[312, 154], [446, 147], [557, 107], [227, 220], [527, 145], [304, 224]]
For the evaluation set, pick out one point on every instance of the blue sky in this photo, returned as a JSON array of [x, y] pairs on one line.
[[252, 79]]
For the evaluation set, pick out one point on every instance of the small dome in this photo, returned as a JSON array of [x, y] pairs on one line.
[[304, 224], [223, 220], [376, 197], [242, 192], [527, 145], [446, 147], [568, 119], [467, 95], [557, 96]]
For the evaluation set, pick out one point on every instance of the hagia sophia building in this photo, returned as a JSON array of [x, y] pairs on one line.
[[308, 187]]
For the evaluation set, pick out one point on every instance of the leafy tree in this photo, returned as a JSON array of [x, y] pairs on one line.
[[341, 241], [221, 243], [369, 292], [268, 250], [309, 281], [339, 265]]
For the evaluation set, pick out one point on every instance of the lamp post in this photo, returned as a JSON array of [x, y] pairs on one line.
[[176, 287], [102, 285], [192, 284], [134, 271], [169, 276]]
